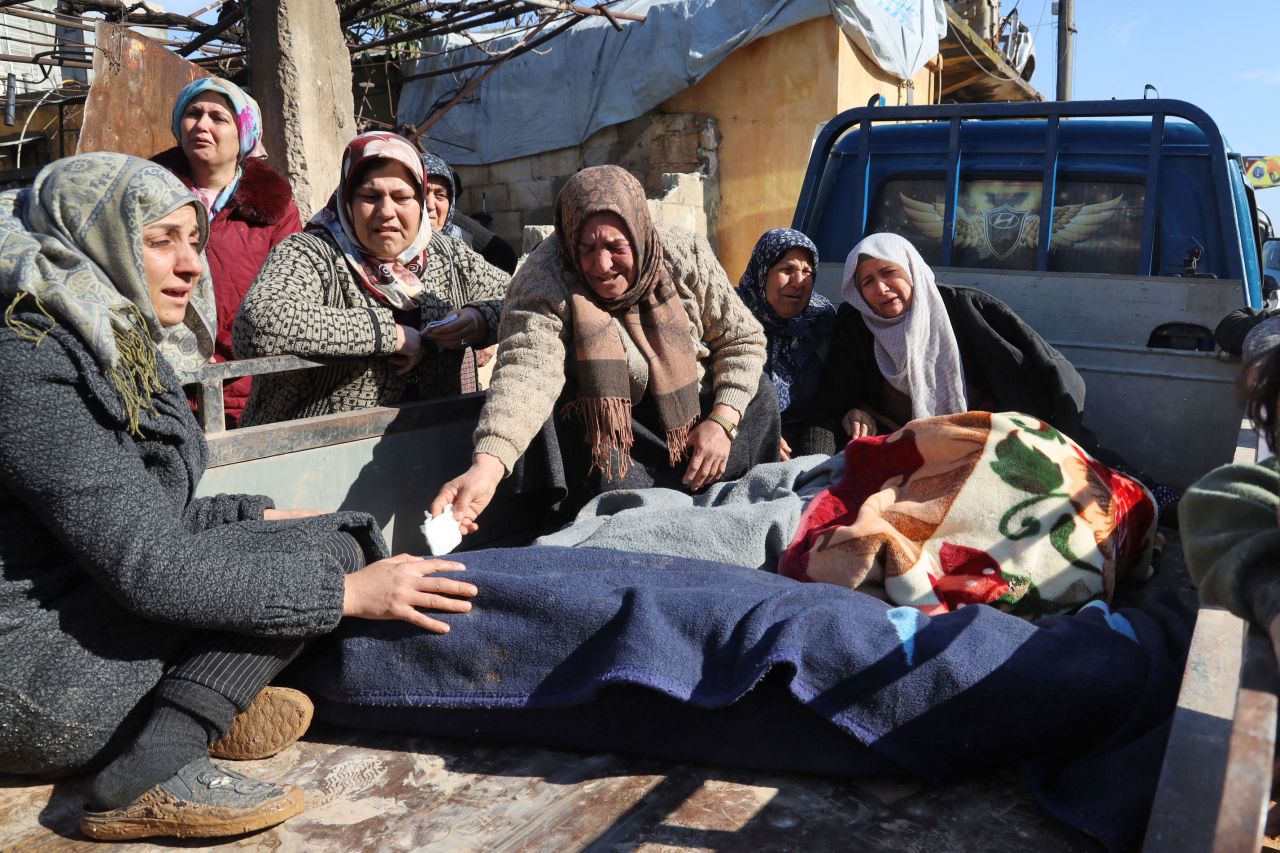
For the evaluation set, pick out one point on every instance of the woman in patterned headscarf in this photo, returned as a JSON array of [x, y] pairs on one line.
[[370, 280], [632, 336], [139, 619], [906, 347], [219, 156], [778, 288]]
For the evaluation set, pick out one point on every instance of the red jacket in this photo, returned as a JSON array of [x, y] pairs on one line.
[[259, 215]]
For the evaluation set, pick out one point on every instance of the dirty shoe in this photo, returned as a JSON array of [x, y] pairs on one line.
[[199, 801], [277, 717]]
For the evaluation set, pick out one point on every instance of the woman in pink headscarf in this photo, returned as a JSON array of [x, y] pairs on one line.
[[369, 279]]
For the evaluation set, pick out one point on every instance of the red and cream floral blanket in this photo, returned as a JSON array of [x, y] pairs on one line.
[[997, 509]]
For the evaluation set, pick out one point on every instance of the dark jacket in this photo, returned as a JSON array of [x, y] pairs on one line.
[[108, 564], [259, 215], [1007, 364], [491, 247]]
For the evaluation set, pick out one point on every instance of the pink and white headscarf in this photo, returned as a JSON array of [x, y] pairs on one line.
[[396, 281]]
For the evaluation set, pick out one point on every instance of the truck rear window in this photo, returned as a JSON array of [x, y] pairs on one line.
[[1097, 224]]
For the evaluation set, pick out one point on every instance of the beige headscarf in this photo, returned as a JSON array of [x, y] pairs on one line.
[[72, 246]]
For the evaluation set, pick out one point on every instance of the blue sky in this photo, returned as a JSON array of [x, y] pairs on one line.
[[1223, 57]]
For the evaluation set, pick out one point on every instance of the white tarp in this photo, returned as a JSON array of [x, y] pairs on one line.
[[592, 76]]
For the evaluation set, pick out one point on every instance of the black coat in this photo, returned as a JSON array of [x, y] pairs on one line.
[[109, 566], [1003, 358]]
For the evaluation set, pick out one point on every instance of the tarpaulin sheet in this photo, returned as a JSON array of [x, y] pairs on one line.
[[592, 76]]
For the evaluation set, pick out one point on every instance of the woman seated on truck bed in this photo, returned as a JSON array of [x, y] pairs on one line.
[[138, 619], [633, 337], [778, 288], [367, 278], [905, 347]]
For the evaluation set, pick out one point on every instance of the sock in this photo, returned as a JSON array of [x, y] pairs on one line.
[[187, 718]]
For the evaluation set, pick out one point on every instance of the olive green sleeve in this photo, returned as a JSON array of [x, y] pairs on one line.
[[1229, 526]]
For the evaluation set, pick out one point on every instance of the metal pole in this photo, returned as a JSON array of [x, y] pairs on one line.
[[1066, 38]]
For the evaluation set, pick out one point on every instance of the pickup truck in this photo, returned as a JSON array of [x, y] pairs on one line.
[[1147, 240]]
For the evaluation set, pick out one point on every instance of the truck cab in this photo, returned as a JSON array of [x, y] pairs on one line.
[[1122, 231]]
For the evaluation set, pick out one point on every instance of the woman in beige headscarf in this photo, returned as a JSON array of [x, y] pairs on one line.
[[637, 333]]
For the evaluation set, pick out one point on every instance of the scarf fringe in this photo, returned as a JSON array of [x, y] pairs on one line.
[[608, 426], [678, 442], [136, 374], [24, 330]]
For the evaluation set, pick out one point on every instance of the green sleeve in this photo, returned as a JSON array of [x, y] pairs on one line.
[[1229, 525]]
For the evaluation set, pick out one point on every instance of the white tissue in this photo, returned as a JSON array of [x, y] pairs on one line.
[[442, 532]]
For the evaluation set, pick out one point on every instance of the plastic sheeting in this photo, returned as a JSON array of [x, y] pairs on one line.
[[593, 76]]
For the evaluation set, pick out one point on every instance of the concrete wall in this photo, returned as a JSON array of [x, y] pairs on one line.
[[769, 100], [522, 192]]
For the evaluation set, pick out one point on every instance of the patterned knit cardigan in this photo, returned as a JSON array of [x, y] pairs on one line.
[[307, 302], [536, 351]]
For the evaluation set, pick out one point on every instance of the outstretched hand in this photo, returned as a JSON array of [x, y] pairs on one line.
[[396, 587], [858, 424], [471, 492]]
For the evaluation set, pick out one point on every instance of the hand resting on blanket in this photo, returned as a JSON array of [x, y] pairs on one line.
[[396, 587]]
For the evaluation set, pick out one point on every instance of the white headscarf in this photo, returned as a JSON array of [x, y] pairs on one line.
[[915, 351]]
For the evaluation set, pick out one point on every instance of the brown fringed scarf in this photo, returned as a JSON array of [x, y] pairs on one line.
[[650, 312]]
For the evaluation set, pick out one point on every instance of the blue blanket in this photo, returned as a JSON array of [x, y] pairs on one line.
[[691, 660]]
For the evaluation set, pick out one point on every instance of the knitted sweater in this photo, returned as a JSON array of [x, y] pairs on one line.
[[109, 567], [307, 302], [535, 352], [1228, 521]]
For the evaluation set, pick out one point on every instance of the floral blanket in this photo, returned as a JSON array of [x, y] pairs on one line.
[[976, 508]]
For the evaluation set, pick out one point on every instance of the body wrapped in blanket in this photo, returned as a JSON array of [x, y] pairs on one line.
[[691, 660]]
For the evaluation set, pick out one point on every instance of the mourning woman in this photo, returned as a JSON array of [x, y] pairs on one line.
[[220, 158], [630, 336], [368, 280], [140, 620], [778, 289], [906, 347], [442, 203]]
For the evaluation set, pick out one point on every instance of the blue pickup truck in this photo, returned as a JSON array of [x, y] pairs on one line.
[[1123, 231]]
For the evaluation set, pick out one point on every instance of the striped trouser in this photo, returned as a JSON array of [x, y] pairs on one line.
[[239, 666]]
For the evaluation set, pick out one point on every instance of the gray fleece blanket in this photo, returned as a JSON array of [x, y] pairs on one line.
[[746, 522]]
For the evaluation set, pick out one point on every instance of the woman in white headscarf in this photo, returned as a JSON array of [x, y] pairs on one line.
[[906, 347]]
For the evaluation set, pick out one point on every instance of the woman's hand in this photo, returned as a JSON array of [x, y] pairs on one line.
[[858, 424], [396, 587], [709, 450], [468, 329], [784, 450], [471, 492], [284, 514], [408, 350]]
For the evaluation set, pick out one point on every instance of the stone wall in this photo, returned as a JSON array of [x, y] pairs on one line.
[[673, 154]]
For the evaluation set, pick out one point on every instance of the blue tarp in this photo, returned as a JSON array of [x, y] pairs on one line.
[[593, 76]]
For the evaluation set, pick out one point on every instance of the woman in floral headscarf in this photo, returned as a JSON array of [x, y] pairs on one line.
[[369, 278], [140, 620], [628, 339], [219, 156], [778, 288]]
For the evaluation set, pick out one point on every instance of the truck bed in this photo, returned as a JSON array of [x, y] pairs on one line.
[[370, 791]]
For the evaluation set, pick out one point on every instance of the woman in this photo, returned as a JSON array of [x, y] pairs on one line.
[[369, 278], [138, 619], [657, 358], [778, 288], [250, 206], [905, 347], [443, 190]]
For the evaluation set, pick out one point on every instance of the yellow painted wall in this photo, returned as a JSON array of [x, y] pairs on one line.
[[769, 99]]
